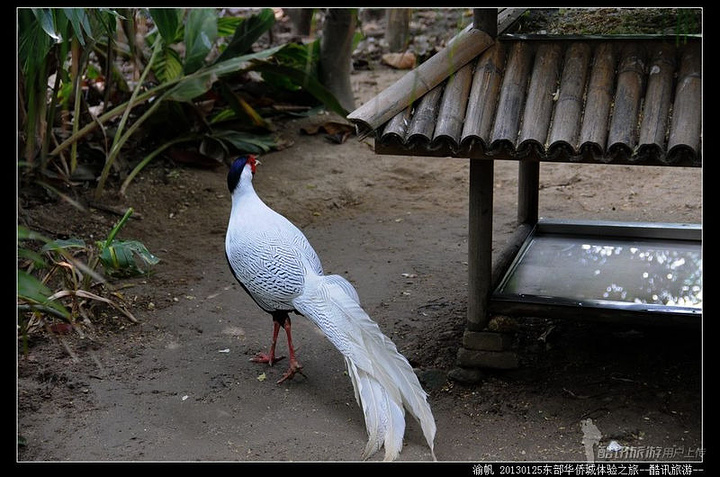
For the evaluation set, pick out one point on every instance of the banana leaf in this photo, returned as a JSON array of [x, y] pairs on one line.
[[168, 65], [308, 82], [167, 21], [250, 143], [247, 32], [200, 34], [195, 84]]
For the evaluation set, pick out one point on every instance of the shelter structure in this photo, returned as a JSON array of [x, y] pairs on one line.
[[542, 98]]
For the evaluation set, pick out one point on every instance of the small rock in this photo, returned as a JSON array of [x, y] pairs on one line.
[[432, 378], [466, 375]]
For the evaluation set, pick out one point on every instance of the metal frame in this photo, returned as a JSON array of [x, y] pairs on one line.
[[598, 310]]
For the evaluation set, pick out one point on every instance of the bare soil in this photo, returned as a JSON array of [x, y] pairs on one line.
[[179, 386]]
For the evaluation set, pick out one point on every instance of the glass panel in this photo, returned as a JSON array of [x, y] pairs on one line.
[[637, 271]]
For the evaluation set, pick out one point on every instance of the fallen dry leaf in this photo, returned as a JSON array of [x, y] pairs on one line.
[[193, 158], [336, 132], [330, 127], [400, 61]]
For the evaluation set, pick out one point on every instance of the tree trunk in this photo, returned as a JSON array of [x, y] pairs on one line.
[[335, 54], [398, 28], [301, 20]]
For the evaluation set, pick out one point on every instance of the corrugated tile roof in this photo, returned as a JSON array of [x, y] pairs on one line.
[[613, 100]]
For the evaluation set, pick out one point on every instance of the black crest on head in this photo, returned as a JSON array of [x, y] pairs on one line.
[[235, 172]]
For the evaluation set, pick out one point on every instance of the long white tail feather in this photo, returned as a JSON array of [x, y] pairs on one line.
[[395, 430], [374, 420], [345, 285], [383, 380]]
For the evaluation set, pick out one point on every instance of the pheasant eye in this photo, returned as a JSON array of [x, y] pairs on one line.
[[252, 162]]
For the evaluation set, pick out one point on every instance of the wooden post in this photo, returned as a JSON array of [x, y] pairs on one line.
[[528, 195], [480, 242], [480, 214], [397, 33], [486, 19], [335, 55], [301, 19]]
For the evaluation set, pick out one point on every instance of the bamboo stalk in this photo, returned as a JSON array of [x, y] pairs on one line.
[[397, 127], [593, 134], [422, 124], [483, 96], [512, 96], [657, 103], [686, 127], [568, 111], [452, 107], [539, 104], [464, 47], [623, 134]]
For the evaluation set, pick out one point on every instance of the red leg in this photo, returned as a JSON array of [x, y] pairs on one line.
[[295, 367], [270, 357]]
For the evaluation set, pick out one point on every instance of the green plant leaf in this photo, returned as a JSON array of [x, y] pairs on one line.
[[308, 82], [246, 142], [36, 258], [247, 33], [80, 22], [168, 65], [167, 21], [34, 292], [63, 244], [200, 34], [228, 25], [241, 108], [36, 36], [123, 257], [191, 87], [24, 233], [46, 20], [116, 228]]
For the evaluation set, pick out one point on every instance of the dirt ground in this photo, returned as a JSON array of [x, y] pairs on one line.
[[179, 386]]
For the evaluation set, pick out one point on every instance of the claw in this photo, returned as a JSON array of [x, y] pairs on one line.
[[294, 369], [266, 358]]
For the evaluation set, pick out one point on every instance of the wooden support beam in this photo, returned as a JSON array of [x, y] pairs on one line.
[[480, 242], [528, 195], [486, 19]]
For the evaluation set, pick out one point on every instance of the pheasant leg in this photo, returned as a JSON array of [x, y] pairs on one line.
[[295, 366], [270, 357]]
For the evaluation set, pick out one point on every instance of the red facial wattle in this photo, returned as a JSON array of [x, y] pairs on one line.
[[252, 161]]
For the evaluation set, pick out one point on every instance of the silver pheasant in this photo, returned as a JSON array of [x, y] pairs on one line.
[[277, 266]]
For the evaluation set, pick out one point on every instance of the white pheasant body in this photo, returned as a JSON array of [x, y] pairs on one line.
[[278, 267]]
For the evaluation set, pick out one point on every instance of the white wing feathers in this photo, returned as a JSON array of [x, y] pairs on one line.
[[384, 382]]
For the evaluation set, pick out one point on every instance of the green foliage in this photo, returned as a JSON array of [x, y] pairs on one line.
[[46, 38], [247, 33], [200, 35], [70, 267], [168, 22], [194, 56], [124, 257]]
